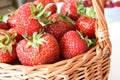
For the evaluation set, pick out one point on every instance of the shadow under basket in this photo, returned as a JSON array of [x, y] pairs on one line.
[[93, 65]]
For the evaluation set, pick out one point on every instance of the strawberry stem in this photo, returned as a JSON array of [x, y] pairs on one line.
[[40, 13], [66, 19], [44, 9]]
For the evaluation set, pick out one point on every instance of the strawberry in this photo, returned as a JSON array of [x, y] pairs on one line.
[[4, 25], [108, 4], [117, 4], [7, 47], [86, 25], [52, 8], [59, 29], [87, 3], [54, 17], [22, 22], [60, 26], [73, 8], [41, 48], [72, 45], [69, 8]]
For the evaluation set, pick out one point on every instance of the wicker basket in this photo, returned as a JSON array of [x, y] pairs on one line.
[[93, 65]]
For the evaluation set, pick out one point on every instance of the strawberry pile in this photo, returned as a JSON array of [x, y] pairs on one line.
[[107, 3], [36, 34]]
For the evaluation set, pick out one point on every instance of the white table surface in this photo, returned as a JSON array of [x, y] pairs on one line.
[[114, 31]]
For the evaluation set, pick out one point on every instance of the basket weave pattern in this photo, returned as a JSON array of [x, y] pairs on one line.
[[93, 65]]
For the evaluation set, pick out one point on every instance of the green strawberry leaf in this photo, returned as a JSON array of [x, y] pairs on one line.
[[4, 49], [81, 9], [32, 8], [90, 12], [39, 7], [1, 18], [93, 42], [46, 14]]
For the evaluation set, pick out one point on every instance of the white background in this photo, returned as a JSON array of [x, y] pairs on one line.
[[113, 20]]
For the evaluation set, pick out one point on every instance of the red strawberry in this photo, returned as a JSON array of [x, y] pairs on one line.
[[59, 29], [59, 26], [52, 9], [41, 49], [69, 8], [87, 3], [54, 17], [22, 22], [72, 45], [108, 4], [117, 4], [86, 25], [4, 25], [73, 8], [7, 47]]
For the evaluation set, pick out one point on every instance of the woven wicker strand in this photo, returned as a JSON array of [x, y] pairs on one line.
[[93, 65]]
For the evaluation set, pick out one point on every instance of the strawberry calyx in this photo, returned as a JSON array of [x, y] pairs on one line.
[[39, 12], [35, 40], [7, 41], [90, 12], [83, 11]]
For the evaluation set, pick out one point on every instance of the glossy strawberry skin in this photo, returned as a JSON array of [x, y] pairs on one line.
[[59, 29], [4, 25], [108, 4], [117, 4], [54, 17], [22, 22], [7, 57], [87, 3], [47, 53], [52, 9], [72, 45], [70, 8], [86, 25]]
